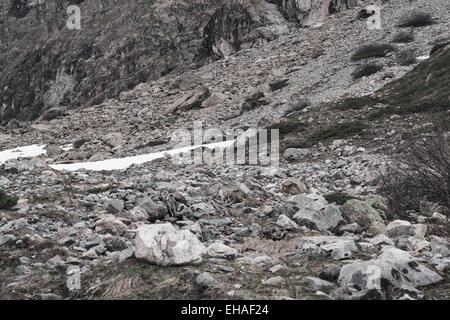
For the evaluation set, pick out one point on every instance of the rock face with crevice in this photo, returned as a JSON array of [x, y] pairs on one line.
[[311, 11], [122, 44]]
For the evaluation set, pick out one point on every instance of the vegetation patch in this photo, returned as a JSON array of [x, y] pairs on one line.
[[407, 57], [366, 70], [423, 89], [98, 190], [421, 172], [355, 103], [372, 50], [288, 126], [279, 85], [403, 37], [340, 130], [7, 201], [418, 19]]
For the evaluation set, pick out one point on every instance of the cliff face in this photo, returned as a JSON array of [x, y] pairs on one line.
[[124, 43], [310, 11]]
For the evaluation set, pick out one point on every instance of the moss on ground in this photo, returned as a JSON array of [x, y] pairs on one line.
[[7, 201]]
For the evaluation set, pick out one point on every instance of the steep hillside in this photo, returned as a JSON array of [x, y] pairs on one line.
[[425, 88], [122, 44]]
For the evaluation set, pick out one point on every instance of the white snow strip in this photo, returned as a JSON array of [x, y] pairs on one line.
[[112, 164], [124, 163], [420, 58], [22, 152], [67, 147]]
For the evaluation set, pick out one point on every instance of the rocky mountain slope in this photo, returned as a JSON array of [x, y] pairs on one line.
[[314, 228], [123, 44]]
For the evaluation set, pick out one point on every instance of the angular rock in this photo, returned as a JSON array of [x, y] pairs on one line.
[[380, 240], [274, 282], [341, 249], [399, 228], [314, 211], [374, 280], [163, 245], [439, 217], [428, 208], [136, 214], [219, 250], [284, 222], [73, 281], [360, 212], [416, 273], [324, 246], [439, 246], [296, 154], [7, 238], [330, 273], [205, 280], [214, 100], [252, 102], [113, 206], [293, 187], [55, 263], [316, 284], [110, 224], [155, 210], [190, 101], [114, 139], [53, 113], [114, 243]]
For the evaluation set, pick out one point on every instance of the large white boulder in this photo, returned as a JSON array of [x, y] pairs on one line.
[[398, 228], [314, 211], [164, 245], [374, 280], [418, 274]]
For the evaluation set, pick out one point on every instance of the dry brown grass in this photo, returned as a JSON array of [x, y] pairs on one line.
[[135, 280], [32, 287], [121, 288], [275, 249]]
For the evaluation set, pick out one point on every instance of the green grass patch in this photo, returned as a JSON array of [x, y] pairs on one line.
[[340, 130], [423, 89], [100, 189], [288, 126], [7, 201], [355, 103]]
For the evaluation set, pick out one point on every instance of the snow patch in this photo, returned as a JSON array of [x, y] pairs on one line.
[[22, 152], [425, 57], [113, 164], [124, 163], [67, 147]]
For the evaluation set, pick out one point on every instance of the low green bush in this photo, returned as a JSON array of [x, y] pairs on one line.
[[7, 201]]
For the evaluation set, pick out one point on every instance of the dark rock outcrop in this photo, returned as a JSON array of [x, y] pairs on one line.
[[123, 43]]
